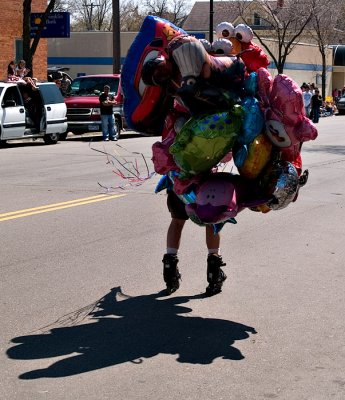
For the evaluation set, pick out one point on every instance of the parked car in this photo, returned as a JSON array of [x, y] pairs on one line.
[[82, 101], [54, 73], [49, 119], [341, 105]]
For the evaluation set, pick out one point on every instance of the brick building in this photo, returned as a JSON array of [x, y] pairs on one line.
[[11, 32]]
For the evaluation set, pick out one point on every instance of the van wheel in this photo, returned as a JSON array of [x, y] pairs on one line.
[[63, 136], [51, 138], [2, 143]]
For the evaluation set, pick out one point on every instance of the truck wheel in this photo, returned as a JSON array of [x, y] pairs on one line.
[[117, 128], [51, 138]]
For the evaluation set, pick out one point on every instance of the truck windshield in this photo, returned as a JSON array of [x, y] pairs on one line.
[[92, 86]]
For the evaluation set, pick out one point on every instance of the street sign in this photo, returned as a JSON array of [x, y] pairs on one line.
[[57, 25]]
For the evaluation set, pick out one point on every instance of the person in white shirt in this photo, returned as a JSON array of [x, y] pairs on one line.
[[306, 99]]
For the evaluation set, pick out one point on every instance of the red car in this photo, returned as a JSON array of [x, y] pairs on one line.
[[82, 101]]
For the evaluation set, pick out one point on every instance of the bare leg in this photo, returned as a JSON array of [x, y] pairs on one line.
[[212, 240], [174, 233]]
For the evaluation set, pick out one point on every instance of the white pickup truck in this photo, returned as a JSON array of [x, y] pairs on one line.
[[45, 119]]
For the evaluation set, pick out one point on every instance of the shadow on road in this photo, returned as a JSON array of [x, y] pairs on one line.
[[118, 329], [88, 137], [340, 150], [97, 137]]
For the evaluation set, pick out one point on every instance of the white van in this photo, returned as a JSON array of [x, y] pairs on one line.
[[46, 119]]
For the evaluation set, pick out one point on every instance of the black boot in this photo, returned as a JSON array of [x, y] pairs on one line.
[[171, 273], [215, 275]]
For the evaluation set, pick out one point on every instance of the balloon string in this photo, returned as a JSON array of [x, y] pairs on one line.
[[126, 170]]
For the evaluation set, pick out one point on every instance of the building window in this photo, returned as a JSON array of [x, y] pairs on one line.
[[318, 79], [19, 49], [257, 19]]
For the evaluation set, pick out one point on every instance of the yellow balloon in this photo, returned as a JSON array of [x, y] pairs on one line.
[[262, 208], [259, 153]]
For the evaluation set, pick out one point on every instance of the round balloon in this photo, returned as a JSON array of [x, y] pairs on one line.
[[281, 182]]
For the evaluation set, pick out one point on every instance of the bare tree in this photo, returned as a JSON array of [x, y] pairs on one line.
[[29, 45], [176, 11], [90, 15], [97, 14], [130, 16], [282, 21], [61, 6], [326, 32]]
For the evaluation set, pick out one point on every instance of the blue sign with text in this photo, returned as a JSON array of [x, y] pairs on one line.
[[57, 25]]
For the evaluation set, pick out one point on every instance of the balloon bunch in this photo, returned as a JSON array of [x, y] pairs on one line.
[[218, 101]]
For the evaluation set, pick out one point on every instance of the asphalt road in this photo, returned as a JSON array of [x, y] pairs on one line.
[[82, 312]]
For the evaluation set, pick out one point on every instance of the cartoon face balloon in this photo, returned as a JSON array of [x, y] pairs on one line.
[[145, 106], [282, 102], [215, 201], [207, 83], [221, 196]]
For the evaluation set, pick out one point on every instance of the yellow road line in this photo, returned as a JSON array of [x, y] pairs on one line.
[[53, 205], [57, 206]]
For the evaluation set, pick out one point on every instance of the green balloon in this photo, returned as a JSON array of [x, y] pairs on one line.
[[204, 140]]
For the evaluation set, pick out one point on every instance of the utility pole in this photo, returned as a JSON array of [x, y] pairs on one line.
[[90, 14], [116, 38]]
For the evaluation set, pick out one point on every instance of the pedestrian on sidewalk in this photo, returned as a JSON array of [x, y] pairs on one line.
[[107, 102], [316, 103], [307, 95]]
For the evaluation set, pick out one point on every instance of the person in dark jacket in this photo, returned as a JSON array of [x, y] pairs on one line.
[[316, 103]]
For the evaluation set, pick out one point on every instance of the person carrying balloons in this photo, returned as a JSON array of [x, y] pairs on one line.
[[171, 273], [213, 102]]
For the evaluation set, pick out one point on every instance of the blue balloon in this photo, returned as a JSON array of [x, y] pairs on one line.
[[164, 183], [251, 84], [253, 120], [187, 197], [240, 154], [252, 125]]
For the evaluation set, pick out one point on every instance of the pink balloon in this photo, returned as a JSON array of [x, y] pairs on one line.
[[265, 82], [288, 99], [286, 123], [181, 186], [222, 196], [163, 161], [216, 201]]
